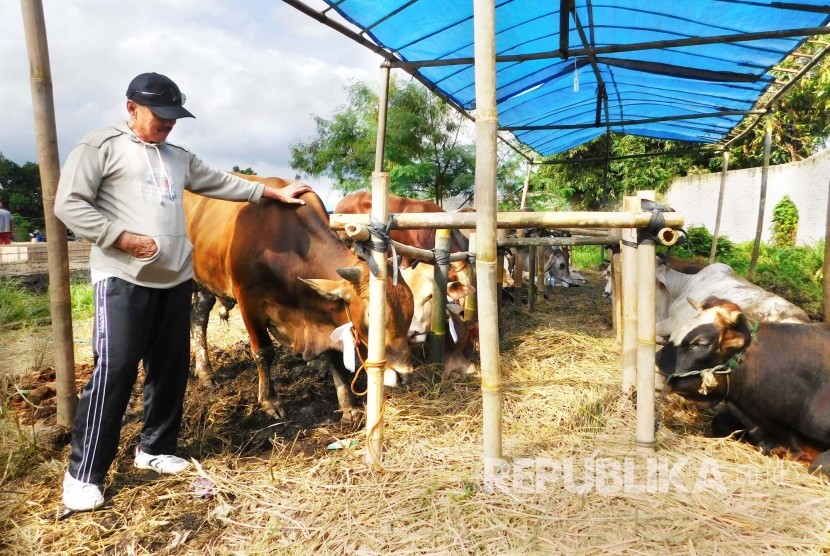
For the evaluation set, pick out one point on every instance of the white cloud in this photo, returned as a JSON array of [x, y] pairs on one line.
[[254, 72]]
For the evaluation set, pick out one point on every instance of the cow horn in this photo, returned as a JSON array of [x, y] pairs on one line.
[[696, 304], [350, 273]]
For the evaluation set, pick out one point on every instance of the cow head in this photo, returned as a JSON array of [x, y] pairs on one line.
[[353, 290], [712, 337], [557, 268], [421, 280]]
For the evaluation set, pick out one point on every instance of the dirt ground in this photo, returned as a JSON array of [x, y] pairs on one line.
[[265, 487]]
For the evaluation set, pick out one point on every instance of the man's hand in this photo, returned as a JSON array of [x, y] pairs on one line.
[[287, 194], [140, 247]]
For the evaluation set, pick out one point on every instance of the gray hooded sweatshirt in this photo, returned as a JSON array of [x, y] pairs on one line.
[[113, 182]]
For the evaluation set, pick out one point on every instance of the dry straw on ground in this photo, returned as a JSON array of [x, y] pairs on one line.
[[266, 489]]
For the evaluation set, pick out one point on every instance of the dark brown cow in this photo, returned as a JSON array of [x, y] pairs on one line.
[[361, 203], [775, 380], [292, 277]]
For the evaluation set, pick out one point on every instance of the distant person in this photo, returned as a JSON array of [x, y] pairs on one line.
[[121, 189], [37, 236], [6, 219]]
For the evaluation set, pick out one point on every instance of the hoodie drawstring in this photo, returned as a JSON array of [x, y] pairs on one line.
[[163, 170]]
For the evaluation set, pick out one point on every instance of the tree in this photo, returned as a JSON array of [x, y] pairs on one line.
[[20, 189], [424, 154], [247, 171]]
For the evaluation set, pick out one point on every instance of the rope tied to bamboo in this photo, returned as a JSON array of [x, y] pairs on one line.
[[442, 256], [381, 242]]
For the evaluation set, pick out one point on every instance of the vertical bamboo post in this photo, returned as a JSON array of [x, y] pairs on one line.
[[646, 266], [377, 293], [438, 326], [523, 203], [485, 176], [531, 286], [616, 295], [826, 265], [518, 272], [628, 255], [763, 196], [470, 300], [723, 175], [540, 269], [34, 25]]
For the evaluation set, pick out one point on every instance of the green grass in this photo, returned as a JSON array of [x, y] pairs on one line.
[[20, 306], [587, 257]]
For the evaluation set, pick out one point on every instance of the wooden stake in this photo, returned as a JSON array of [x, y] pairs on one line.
[[34, 26], [721, 193]]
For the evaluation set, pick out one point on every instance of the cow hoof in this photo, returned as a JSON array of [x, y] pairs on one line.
[[821, 464], [274, 409], [207, 381], [352, 417]]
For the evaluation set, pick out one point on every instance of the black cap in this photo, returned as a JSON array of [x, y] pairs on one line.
[[158, 93]]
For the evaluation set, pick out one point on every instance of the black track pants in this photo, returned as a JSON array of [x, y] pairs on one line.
[[132, 323]]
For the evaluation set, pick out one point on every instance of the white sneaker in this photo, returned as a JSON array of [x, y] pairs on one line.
[[80, 496], [164, 463]]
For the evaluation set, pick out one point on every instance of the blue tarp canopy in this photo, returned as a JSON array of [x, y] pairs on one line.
[[567, 71]]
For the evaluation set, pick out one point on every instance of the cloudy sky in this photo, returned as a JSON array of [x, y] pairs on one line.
[[254, 72]]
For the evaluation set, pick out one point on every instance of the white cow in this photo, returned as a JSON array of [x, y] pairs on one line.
[[420, 278], [719, 280]]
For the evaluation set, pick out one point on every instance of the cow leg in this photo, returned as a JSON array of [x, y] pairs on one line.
[[725, 424], [351, 415], [201, 305], [266, 395], [264, 354]]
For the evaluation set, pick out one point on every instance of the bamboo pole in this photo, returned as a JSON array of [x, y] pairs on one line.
[[470, 303], [485, 179], [616, 295], [542, 241], [646, 265], [554, 220], [826, 264], [531, 286], [518, 274], [34, 25], [762, 201], [438, 326], [523, 203], [628, 255], [375, 362], [721, 192]]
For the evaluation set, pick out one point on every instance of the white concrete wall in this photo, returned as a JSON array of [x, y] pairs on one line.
[[806, 182]]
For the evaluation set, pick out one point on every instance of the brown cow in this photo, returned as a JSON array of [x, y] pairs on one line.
[[292, 277], [423, 238]]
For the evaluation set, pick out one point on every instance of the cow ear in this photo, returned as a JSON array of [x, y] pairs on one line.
[[696, 304], [333, 290], [732, 340], [737, 335], [350, 273], [457, 290]]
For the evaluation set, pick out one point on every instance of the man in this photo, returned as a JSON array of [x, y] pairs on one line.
[[5, 226], [121, 188]]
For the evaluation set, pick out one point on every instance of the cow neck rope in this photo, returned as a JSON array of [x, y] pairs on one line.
[[707, 376]]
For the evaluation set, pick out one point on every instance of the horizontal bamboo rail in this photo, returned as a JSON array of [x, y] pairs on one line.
[[467, 220]]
